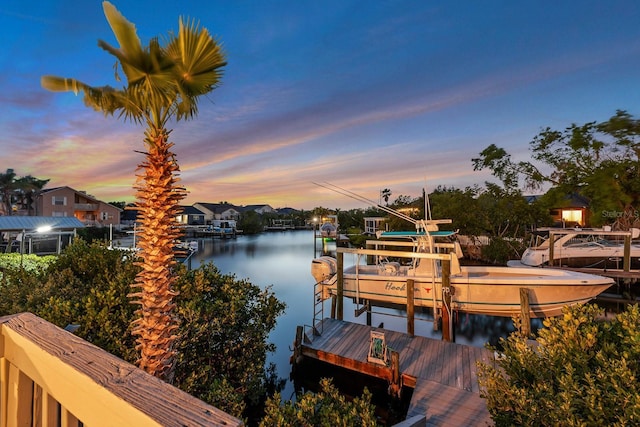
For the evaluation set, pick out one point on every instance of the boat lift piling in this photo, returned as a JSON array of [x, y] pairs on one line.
[[410, 308], [524, 312], [340, 290], [447, 290]]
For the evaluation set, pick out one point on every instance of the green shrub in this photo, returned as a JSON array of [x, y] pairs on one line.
[[583, 371], [29, 262], [325, 408], [224, 335]]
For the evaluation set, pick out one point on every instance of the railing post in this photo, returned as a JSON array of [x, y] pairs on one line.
[[340, 290]]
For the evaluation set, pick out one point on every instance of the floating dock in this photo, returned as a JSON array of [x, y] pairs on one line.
[[443, 375]]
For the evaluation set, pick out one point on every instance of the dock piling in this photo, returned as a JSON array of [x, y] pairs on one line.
[[524, 311], [410, 307], [340, 290], [447, 319], [396, 380]]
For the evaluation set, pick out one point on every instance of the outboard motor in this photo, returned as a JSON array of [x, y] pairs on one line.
[[323, 268]]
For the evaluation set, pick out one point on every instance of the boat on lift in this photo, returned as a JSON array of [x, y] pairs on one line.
[[431, 266]]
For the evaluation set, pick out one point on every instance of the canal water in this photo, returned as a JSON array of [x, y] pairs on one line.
[[282, 260]]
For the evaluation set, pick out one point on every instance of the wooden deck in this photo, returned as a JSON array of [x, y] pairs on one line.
[[442, 374]]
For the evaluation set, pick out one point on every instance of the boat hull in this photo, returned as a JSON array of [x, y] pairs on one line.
[[491, 291]]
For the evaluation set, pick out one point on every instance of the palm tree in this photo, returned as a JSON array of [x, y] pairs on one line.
[[28, 189], [7, 191], [163, 83]]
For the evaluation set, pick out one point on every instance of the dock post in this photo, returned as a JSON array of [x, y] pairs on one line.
[[395, 387], [340, 290], [524, 312], [333, 306], [446, 301], [296, 357], [627, 253], [410, 307], [551, 243]]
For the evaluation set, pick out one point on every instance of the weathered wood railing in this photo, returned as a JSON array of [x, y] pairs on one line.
[[50, 377]]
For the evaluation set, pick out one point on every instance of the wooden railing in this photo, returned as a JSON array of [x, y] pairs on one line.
[[50, 377]]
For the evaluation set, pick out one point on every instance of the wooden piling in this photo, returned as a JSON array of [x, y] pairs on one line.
[[396, 380], [340, 290], [551, 243], [296, 357], [626, 266], [410, 307], [446, 301], [524, 311], [333, 306]]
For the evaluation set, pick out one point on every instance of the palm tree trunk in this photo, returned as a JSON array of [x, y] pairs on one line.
[[158, 204]]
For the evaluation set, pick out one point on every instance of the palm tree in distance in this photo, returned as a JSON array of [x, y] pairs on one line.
[[29, 188], [163, 83], [385, 194]]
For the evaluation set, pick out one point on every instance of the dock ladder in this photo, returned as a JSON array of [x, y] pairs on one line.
[[316, 326]]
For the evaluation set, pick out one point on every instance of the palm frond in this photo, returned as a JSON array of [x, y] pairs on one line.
[[124, 31], [199, 58], [105, 99]]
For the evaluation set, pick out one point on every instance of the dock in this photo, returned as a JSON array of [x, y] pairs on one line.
[[443, 375]]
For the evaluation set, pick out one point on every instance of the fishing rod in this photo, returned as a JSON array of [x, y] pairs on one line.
[[363, 199]]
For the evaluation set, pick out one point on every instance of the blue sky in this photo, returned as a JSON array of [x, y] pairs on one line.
[[363, 94]]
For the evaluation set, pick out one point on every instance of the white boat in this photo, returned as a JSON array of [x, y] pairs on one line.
[[488, 290], [328, 230], [584, 248], [491, 291]]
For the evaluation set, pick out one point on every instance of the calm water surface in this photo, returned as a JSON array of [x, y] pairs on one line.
[[282, 260]]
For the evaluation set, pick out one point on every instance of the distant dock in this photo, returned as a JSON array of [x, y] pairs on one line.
[[443, 375], [211, 231]]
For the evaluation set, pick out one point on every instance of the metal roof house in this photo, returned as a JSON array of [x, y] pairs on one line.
[[37, 234]]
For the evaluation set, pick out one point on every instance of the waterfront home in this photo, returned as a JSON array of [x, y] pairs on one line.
[[221, 211], [191, 216], [68, 202], [260, 209]]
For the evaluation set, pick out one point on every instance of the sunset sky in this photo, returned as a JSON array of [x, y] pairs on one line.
[[363, 94]]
